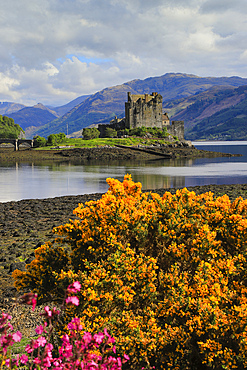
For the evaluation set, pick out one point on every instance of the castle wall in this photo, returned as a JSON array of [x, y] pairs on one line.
[[176, 129]]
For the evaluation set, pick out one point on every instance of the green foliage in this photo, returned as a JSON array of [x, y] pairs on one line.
[[138, 131], [153, 131], [110, 132], [92, 143], [55, 139], [39, 141], [90, 133], [157, 132], [8, 128]]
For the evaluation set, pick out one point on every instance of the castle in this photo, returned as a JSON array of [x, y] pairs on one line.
[[144, 110]]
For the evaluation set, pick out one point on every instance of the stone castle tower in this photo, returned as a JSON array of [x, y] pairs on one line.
[[143, 110]]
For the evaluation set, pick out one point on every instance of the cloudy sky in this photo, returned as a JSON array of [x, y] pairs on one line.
[[52, 51]]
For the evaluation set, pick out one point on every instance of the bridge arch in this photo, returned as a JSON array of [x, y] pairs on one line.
[[17, 142]]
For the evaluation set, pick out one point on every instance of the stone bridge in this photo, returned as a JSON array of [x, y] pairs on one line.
[[17, 142]]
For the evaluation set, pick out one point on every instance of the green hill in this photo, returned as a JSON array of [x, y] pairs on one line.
[[227, 124]]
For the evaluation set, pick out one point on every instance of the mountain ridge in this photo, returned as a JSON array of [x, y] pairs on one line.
[[102, 106], [185, 97]]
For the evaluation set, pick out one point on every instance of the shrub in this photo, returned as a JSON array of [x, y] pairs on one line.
[[157, 132], [166, 275], [138, 131]]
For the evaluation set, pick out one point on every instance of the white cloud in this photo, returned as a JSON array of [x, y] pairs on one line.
[[55, 50]]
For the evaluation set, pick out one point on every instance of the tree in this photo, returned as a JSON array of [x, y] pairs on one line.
[[8, 128], [110, 132], [90, 133], [55, 139], [39, 141]]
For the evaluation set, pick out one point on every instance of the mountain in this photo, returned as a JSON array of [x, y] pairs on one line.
[[67, 107], [218, 113], [7, 108], [228, 123], [105, 104], [31, 117]]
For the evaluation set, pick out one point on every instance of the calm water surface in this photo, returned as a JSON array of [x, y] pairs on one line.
[[26, 181]]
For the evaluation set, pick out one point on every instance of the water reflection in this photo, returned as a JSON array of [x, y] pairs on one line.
[[44, 180]]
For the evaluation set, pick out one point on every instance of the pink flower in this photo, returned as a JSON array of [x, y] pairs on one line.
[[7, 362], [99, 338], [74, 288], [48, 311], [29, 349], [30, 299], [37, 360], [24, 359], [126, 358], [87, 337], [40, 342], [72, 300], [75, 324], [39, 329], [17, 336]]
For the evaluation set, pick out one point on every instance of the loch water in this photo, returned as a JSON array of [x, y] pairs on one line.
[[30, 181]]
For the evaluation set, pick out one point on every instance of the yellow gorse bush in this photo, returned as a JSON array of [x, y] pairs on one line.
[[165, 275]]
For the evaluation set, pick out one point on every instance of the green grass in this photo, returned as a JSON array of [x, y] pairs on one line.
[[129, 141], [19, 347]]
